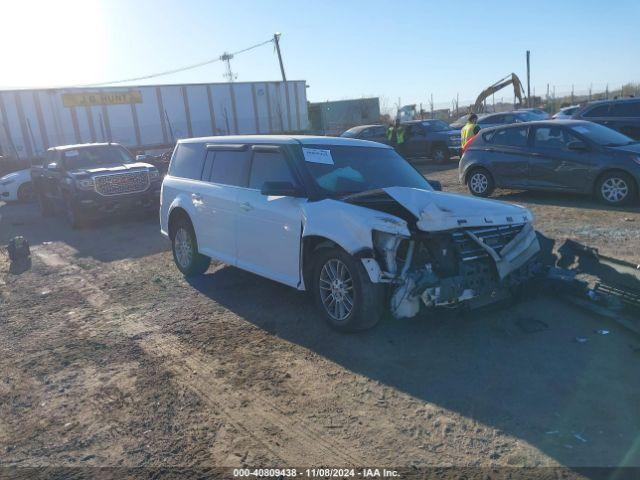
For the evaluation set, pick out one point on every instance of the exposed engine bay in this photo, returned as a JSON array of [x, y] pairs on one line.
[[470, 265]]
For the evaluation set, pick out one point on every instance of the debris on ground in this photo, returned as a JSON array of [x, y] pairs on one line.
[[582, 339], [19, 255]]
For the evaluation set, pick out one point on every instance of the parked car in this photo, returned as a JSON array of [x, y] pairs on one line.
[[16, 186], [622, 114], [505, 118], [349, 220], [430, 138], [85, 180], [560, 155], [566, 113], [462, 121]]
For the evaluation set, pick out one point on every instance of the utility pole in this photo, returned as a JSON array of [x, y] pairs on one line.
[[431, 105], [572, 96], [528, 79], [276, 41], [457, 104], [226, 58]]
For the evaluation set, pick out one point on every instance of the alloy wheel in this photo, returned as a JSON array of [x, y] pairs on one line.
[[479, 182], [614, 190], [438, 156], [336, 289], [183, 248]]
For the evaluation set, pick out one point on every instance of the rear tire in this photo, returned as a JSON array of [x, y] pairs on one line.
[[480, 182], [185, 250], [616, 188], [343, 292], [25, 192], [440, 154]]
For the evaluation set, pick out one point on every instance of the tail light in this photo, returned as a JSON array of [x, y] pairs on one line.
[[469, 142]]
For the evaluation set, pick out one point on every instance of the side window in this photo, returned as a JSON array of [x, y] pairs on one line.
[[208, 165], [510, 137], [493, 119], [187, 161], [269, 167], [626, 109], [366, 133], [508, 119], [599, 111], [230, 167], [553, 137], [379, 132]]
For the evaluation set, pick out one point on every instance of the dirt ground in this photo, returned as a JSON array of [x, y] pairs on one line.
[[109, 357]]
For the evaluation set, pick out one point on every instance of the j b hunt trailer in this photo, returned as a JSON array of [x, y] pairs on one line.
[[146, 117]]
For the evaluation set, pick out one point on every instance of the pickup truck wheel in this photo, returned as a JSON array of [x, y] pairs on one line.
[[440, 154], [46, 208], [480, 182], [25, 192], [344, 294], [616, 188], [185, 250], [74, 217]]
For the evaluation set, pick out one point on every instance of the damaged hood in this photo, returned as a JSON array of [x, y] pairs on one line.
[[437, 211]]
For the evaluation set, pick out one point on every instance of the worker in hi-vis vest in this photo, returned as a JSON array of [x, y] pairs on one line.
[[395, 135], [470, 129]]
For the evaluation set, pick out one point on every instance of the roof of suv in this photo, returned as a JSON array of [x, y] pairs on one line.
[[286, 140]]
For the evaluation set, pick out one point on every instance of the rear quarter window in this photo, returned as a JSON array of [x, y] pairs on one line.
[[187, 161]]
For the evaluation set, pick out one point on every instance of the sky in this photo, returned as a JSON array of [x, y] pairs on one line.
[[400, 51]]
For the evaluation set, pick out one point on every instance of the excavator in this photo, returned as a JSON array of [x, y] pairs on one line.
[[518, 91]]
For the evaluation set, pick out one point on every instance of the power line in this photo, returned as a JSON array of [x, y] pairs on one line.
[[176, 70]]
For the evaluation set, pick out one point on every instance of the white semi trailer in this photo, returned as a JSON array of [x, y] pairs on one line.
[[150, 117]]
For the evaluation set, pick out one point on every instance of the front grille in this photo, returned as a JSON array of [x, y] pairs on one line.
[[495, 237], [121, 183]]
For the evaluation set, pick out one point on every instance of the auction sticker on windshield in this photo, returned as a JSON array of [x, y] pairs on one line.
[[316, 155]]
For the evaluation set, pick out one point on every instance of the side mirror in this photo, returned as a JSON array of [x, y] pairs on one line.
[[577, 146], [281, 189], [53, 167], [436, 185], [141, 158]]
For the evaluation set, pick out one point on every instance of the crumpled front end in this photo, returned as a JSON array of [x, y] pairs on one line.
[[461, 266]]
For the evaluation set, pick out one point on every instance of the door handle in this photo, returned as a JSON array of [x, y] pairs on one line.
[[246, 206]]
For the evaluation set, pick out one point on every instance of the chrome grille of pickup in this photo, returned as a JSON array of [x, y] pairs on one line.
[[495, 237], [121, 183]]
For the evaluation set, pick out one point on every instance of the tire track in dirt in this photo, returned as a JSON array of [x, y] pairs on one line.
[[290, 440]]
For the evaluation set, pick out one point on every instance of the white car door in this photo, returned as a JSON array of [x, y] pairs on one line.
[[269, 227], [216, 199]]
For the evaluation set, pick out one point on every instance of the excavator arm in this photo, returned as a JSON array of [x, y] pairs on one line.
[[518, 91]]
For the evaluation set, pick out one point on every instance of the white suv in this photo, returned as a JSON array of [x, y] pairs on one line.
[[348, 219]]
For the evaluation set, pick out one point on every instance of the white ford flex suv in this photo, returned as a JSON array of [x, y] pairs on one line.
[[349, 220]]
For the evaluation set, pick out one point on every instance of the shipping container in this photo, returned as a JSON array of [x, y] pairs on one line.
[[333, 118], [150, 117]]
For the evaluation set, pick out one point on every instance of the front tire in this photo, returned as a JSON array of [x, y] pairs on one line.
[[344, 294], [616, 188], [185, 250], [72, 213], [440, 154], [480, 182]]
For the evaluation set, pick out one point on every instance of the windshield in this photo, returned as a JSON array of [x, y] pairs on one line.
[[352, 132], [436, 125], [89, 157], [348, 170], [602, 135]]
